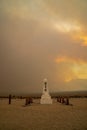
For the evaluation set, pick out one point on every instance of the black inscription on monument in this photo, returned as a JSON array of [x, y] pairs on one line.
[[45, 86]]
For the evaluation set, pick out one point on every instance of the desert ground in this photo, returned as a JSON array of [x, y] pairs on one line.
[[57, 116]]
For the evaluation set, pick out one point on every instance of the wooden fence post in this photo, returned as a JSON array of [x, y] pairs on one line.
[[67, 101], [9, 98]]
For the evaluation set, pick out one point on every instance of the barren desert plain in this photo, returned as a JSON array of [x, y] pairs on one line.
[[36, 116]]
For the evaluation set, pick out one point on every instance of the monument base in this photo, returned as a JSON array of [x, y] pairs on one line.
[[46, 99]]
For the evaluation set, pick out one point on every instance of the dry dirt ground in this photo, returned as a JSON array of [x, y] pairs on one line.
[[43, 117]]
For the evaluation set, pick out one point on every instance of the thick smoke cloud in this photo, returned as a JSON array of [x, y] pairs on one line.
[[29, 47]]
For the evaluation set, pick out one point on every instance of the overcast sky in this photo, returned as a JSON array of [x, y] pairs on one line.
[[43, 39]]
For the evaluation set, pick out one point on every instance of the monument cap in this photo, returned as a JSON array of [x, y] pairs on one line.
[[45, 80]]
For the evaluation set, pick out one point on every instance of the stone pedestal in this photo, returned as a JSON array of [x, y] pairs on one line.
[[45, 98]]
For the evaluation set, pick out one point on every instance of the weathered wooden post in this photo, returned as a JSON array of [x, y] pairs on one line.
[[63, 101], [9, 98], [67, 101], [60, 99], [29, 100]]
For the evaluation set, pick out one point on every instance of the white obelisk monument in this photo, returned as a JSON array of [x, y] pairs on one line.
[[45, 98]]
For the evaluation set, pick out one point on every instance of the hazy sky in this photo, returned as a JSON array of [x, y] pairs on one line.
[[43, 39]]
